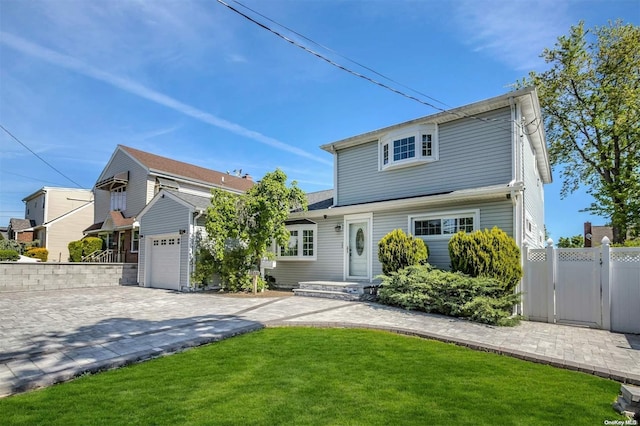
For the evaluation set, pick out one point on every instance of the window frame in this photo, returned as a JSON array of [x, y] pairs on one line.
[[420, 134], [300, 243], [135, 242], [442, 216], [118, 196]]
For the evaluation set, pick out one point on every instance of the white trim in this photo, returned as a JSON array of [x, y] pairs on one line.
[[447, 214], [354, 218], [300, 257], [161, 194], [415, 131]]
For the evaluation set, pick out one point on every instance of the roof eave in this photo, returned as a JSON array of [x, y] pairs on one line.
[[476, 194]]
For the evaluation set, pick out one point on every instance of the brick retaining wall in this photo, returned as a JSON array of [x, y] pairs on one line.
[[16, 276]]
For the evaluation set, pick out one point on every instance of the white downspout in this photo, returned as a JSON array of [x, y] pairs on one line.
[[192, 244]]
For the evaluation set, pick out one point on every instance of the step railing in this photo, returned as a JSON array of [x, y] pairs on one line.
[[102, 256]]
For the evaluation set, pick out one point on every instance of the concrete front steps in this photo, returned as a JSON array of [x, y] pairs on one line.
[[336, 290]]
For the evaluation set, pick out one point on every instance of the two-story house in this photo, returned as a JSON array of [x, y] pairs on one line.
[[133, 213], [54, 217], [474, 167]]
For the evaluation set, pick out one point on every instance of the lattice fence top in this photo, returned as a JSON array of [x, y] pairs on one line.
[[537, 255], [576, 255], [627, 256]]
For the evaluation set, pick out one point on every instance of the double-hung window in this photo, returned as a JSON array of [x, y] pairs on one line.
[[302, 244], [119, 198], [417, 144], [444, 225]]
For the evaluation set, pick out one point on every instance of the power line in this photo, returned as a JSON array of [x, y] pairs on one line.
[[350, 71], [39, 157], [340, 55]]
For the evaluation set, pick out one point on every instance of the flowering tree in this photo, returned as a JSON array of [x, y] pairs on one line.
[[241, 228]]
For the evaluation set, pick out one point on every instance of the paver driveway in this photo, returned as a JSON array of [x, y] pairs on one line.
[[52, 336]]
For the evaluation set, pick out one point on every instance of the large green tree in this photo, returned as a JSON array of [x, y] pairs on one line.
[[241, 228], [590, 98]]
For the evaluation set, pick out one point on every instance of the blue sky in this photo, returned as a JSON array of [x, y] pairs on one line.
[[193, 81]]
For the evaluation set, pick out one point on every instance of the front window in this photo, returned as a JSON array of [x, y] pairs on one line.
[[444, 225], [302, 243], [135, 241], [119, 199]]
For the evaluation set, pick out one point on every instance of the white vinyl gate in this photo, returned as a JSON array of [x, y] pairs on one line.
[[596, 287]]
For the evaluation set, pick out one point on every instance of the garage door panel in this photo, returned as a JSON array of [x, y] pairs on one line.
[[165, 262]]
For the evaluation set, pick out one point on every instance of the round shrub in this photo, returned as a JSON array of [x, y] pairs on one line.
[[486, 254], [38, 253], [397, 250], [91, 245], [75, 251], [9, 255]]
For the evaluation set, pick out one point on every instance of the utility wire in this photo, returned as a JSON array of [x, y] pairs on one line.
[[357, 74], [340, 55], [39, 157]]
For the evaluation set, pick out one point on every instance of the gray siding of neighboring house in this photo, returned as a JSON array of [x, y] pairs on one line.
[[136, 187], [329, 260], [472, 153], [533, 197], [166, 216]]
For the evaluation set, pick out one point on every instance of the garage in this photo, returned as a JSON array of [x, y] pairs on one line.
[[164, 262]]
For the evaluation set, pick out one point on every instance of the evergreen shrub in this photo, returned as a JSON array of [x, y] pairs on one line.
[[9, 255], [91, 244], [38, 253], [419, 287], [75, 251], [397, 250], [486, 254]]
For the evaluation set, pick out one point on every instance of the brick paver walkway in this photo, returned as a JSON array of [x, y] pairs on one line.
[[52, 336]]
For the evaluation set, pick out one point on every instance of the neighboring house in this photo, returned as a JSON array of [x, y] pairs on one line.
[[21, 230], [139, 203], [54, 217], [474, 167], [593, 234]]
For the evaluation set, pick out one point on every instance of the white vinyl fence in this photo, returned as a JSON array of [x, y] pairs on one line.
[[595, 287]]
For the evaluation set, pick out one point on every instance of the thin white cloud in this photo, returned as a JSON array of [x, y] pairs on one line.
[[514, 32], [21, 45]]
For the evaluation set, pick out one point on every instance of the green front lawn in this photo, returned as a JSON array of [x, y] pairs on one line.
[[323, 376]]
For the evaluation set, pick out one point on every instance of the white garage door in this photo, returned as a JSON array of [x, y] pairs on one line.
[[165, 262]]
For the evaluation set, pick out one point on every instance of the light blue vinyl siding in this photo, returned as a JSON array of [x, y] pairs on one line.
[[166, 216], [497, 213], [533, 196], [472, 153], [328, 264]]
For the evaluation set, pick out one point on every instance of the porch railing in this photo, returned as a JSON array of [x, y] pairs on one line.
[[103, 256]]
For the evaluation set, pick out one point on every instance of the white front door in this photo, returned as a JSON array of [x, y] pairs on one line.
[[358, 249]]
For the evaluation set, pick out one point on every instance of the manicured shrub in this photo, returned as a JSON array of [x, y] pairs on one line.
[[75, 251], [422, 288], [38, 253], [9, 255], [486, 254], [397, 250], [91, 245]]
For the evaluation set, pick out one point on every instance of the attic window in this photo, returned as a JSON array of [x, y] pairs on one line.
[[409, 146]]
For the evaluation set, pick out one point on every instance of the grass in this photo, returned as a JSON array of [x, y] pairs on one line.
[[302, 376]]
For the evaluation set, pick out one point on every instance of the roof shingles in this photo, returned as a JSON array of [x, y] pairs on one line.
[[157, 163]]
